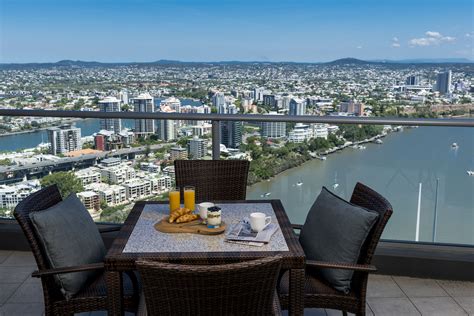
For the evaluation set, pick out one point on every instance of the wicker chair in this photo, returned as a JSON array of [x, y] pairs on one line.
[[214, 179], [319, 294], [94, 296], [244, 288]]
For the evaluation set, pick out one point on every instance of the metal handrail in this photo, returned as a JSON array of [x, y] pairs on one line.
[[245, 117]]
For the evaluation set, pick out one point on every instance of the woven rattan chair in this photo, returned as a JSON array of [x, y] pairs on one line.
[[94, 296], [318, 294], [214, 179], [244, 288]]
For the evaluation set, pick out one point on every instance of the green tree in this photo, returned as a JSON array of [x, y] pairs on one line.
[[67, 182]]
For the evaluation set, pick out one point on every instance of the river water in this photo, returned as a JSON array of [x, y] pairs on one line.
[[88, 127], [394, 169]]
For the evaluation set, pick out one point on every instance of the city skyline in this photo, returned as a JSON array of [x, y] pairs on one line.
[[204, 31]]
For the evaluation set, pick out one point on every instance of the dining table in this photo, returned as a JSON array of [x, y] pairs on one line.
[[138, 239]]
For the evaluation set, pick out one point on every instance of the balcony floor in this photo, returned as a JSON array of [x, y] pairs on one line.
[[387, 295]]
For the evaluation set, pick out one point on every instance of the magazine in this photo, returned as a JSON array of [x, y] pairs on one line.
[[243, 233]]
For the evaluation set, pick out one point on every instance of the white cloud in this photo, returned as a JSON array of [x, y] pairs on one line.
[[432, 38], [395, 42], [470, 34], [359, 47]]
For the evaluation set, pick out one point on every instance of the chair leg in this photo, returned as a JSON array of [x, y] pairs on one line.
[[344, 313]]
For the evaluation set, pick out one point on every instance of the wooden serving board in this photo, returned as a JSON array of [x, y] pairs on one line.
[[193, 227]]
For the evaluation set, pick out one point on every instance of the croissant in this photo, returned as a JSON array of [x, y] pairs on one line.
[[177, 213], [187, 218]]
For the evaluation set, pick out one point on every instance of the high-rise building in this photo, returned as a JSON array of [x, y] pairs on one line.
[[196, 148], [64, 139], [273, 129], [178, 153], [285, 102], [144, 103], [167, 130], [218, 99], [123, 95], [412, 81], [269, 100], [258, 94], [231, 131], [297, 106], [110, 104], [443, 82], [352, 107]]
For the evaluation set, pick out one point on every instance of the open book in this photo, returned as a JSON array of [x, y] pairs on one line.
[[242, 232]]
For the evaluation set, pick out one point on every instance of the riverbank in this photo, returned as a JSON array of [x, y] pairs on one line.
[[323, 155], [34, 130]]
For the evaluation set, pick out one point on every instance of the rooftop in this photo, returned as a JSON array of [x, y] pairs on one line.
[[20, 294]]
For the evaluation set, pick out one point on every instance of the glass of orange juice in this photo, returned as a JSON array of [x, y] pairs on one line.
[[189, 197], [174, 197]]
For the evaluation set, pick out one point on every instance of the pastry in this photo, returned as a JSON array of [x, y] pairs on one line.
[[177, 213], [187, 218]]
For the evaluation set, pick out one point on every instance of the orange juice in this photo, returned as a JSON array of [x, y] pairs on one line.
[[174, 198], [189, 198]]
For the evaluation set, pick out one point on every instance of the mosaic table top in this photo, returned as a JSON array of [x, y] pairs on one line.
[[144, 238]]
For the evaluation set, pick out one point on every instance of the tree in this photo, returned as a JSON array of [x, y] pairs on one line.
[[67, 182]]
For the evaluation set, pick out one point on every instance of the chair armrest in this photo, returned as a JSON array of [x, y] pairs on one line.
[[343, 266], [297, 226], [109, 229], [85, 267]]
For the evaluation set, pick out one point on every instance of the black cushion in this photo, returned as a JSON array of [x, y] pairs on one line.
[[335, 231], [69, 237]]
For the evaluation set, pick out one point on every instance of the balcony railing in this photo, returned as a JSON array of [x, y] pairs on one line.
[[425, 225]]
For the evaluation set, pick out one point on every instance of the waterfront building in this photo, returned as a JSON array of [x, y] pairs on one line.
[[144, 103], [91, 201], [11, 195], [443, 82], [123, 95], [297, 106], [88, 175], [273, 129], [64, 139], [178, 153], [300, 133], [196, 148], [137, 188], [167, 130], [110, 104], [320, 130], [258, 94], [412, 81], [218, 99], [231, 131]]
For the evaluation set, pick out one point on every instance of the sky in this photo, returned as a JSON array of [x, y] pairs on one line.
[[244, 30]]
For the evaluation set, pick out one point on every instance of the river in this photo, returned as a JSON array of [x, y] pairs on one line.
[[88, 127], [394, 169]]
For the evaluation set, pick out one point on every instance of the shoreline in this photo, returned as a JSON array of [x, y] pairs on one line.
[[66, 120], [337, 149]]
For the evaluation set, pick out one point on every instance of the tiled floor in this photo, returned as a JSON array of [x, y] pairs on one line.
[[387, 295]]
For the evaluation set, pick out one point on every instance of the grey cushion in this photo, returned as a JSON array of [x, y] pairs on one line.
[[69, 237], [335, 231]]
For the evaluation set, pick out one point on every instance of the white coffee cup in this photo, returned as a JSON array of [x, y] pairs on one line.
[[202, 207], [258, 221]]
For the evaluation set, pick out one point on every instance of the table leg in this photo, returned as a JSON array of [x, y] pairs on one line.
[[114, 282], [296, 299]]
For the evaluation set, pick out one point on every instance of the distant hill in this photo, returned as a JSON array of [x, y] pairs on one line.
[[349, 61], [343, 61]]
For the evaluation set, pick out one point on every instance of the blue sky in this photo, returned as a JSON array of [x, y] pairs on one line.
[[278, 30]]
